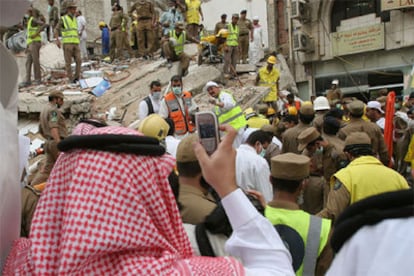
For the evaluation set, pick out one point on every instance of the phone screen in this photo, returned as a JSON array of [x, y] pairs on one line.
[[207, 131]]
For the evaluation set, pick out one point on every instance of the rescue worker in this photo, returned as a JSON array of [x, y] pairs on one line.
[[170, 17], [133, 31], [68, 25], [325, 161], [180, 107], [375, 114], [356, 123], [290, 136], [363, 177], [151, 103], [105, 37], [115, 24], [269, 76], [195, 197], [291, 102], [53, 128], [321, 107], [227, 110], [124, 33], [231, 51], [34, 42], [53, 15], [245, 35], [145, 30], [306, 236], [173, 48], [334, 94], [222, 24], [254, 120], [193, 15]]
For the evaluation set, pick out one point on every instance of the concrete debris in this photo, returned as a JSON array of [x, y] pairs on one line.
[[51, 57], [245, 68]]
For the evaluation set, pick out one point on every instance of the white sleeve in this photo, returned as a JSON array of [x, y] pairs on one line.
[[254, 239], [262, 175], [228, 101], [163, 109], [143, 110]]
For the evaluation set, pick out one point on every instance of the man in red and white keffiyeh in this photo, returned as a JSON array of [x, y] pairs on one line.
[[106, 213]]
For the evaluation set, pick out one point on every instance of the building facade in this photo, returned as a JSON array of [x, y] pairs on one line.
[[367, 45]]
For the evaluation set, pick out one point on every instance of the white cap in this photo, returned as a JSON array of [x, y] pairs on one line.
[[256, 18], [211, 84], [335, 82], [375, 105]]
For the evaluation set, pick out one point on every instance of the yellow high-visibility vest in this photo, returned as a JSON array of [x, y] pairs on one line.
[[70, 30], [233, 117], [300, 222], [31, 31], [233, 37], [180, 40]]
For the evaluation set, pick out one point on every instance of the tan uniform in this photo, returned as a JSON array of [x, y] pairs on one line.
[[70, 50], [220, 25], [195, 205], [245, 27], [290, 138], [124, 33], [145, 30], [318, 121], [116, 35], [373, 131], [30, 197], [333, 94], [50, 117], [33, 54]]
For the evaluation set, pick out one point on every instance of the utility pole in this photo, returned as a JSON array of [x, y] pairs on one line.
[[290, 34]]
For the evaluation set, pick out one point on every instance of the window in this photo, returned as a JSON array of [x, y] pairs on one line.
[[344, 9]]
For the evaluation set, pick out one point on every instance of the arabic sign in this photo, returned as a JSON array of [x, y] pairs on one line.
[[358, 40], [396, 4]]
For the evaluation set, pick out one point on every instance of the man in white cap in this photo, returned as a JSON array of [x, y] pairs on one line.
[[227, 110], [375, 114], [256, 52]]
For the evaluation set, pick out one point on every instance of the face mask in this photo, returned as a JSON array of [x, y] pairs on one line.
[[177, 91], [319, 150], [156, 95], [262, 153], [397, 106], [49, 8]]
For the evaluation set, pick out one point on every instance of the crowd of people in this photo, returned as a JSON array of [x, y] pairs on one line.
[[294, 188], [141, 32]]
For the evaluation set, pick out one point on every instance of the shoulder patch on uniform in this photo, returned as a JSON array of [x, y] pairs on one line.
[[53, 116], [337, 185]]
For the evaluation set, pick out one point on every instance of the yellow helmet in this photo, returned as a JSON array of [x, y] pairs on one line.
[[249, 112], [271, 60], [101, 24], [224, 33], [292, 110], [271, 111], [154, 126]]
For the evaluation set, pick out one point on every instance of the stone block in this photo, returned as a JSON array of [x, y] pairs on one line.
[[245, 68]]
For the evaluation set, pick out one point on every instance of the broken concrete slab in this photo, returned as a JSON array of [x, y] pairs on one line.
[[191, 49], [245, 96], [245, 68], [51, 56]]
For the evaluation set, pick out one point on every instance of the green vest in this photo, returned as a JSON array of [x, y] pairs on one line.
[[307, 246], [70, 30], [233, 37], [179, 46], [31, 31], [233, 117]]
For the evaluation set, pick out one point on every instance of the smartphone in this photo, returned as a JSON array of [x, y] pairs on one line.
[[207, 129]]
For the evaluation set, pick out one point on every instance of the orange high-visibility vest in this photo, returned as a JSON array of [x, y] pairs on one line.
[[181, 118]]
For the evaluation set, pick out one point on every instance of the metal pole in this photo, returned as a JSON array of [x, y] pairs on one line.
[[291, 58]]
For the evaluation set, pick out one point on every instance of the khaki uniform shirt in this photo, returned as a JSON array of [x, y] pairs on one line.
[[373, 131], [51, 117], [195, 205], [318, 120], [116, 20], [220, 25], [144, 9], [30, 197], [290, 138], [244, 26]]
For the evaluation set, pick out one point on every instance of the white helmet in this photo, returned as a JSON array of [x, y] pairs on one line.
[[321, 103]]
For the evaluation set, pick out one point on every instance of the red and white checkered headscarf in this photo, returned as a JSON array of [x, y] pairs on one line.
[[108, 213]]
